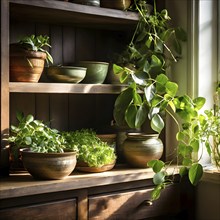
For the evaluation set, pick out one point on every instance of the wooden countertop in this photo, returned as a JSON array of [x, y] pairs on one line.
[[22, 184]]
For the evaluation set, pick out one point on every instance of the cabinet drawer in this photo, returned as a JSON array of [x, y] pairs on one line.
[[65, 209], [134, 204]]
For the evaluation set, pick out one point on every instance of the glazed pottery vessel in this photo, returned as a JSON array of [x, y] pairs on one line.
[[25, 65], [87, 2], [96, 71], [82, 166], [139, 148], [66, 74], [48, 165], [115, 4]]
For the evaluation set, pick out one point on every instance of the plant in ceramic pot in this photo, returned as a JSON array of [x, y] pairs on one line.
[[44, 151], [27, 58], [151, 95], [94, 155]]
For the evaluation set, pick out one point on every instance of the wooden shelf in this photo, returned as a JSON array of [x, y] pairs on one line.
[[69, 13], [19, 87]]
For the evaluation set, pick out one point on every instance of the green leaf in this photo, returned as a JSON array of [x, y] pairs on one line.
[[195, 173], [124, 99], [29, 118], [149, 92], [157, 192], [183, 171], [117, 69], [19, 116], [157, 123], [130, 115], [159, 178], [28, 140], [172, 105], [156, 165], [171, 88], [195, 145], [199, 102], [140, 116], [137, 98]]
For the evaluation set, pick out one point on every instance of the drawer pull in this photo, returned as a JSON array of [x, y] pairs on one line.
[[147, 203]]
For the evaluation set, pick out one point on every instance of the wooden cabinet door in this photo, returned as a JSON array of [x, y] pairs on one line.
[[60, 210], [134, 204]]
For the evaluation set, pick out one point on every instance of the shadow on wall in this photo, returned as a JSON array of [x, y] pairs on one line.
[[208, 200]]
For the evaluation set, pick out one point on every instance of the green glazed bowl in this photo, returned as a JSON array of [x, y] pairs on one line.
[[96, 71], [66, 74]]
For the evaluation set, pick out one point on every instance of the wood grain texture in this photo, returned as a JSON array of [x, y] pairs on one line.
[[65, 209]]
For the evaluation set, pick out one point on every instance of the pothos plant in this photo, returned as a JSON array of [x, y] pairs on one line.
[[150, 93]]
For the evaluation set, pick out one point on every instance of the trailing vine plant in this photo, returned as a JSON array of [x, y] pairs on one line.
[[150, 93]]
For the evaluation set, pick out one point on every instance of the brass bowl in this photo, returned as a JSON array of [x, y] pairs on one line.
[[66, 74], [48, 165], [115, 4]]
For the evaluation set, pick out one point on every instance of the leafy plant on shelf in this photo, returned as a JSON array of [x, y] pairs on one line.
[[91, 149], [36, 43], [35, 135], [150, 93]]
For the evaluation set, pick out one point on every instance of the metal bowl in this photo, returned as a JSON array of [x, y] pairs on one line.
[[48, 165], [66, 74], [96, 71], [115, 4]]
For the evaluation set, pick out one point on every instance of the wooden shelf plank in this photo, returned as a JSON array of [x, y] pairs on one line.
[[19, 87], [70, 13]]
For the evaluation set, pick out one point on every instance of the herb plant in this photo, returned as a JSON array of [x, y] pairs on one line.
[[37, 43], [35, 135], [91, 149]]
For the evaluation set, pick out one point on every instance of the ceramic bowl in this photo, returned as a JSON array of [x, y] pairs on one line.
[[83, 167], [66, 74], [115, 4], [48, 165], [87, 2], [96, 71]]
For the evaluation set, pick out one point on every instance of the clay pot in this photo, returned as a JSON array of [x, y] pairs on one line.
[[48, 165], [83, 167], [139, 148], [25, 65]]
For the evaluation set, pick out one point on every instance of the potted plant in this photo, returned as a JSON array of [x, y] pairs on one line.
[[94, 155], [44, 151], [210, 134], [27, 58], [150, 93]]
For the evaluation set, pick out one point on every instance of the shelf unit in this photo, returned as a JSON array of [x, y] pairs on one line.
[[56, 18]]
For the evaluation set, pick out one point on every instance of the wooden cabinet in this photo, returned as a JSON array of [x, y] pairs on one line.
[[134, 204], [77, 32], [65, 209], [120, 194]]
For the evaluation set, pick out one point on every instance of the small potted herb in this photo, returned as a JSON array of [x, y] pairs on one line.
[[44, 150], [94, 155], [27, 58]]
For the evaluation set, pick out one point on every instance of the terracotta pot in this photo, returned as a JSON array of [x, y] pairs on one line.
[[139, 148], [48, 165], [115, 4], [82, 166], [25, 65]]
